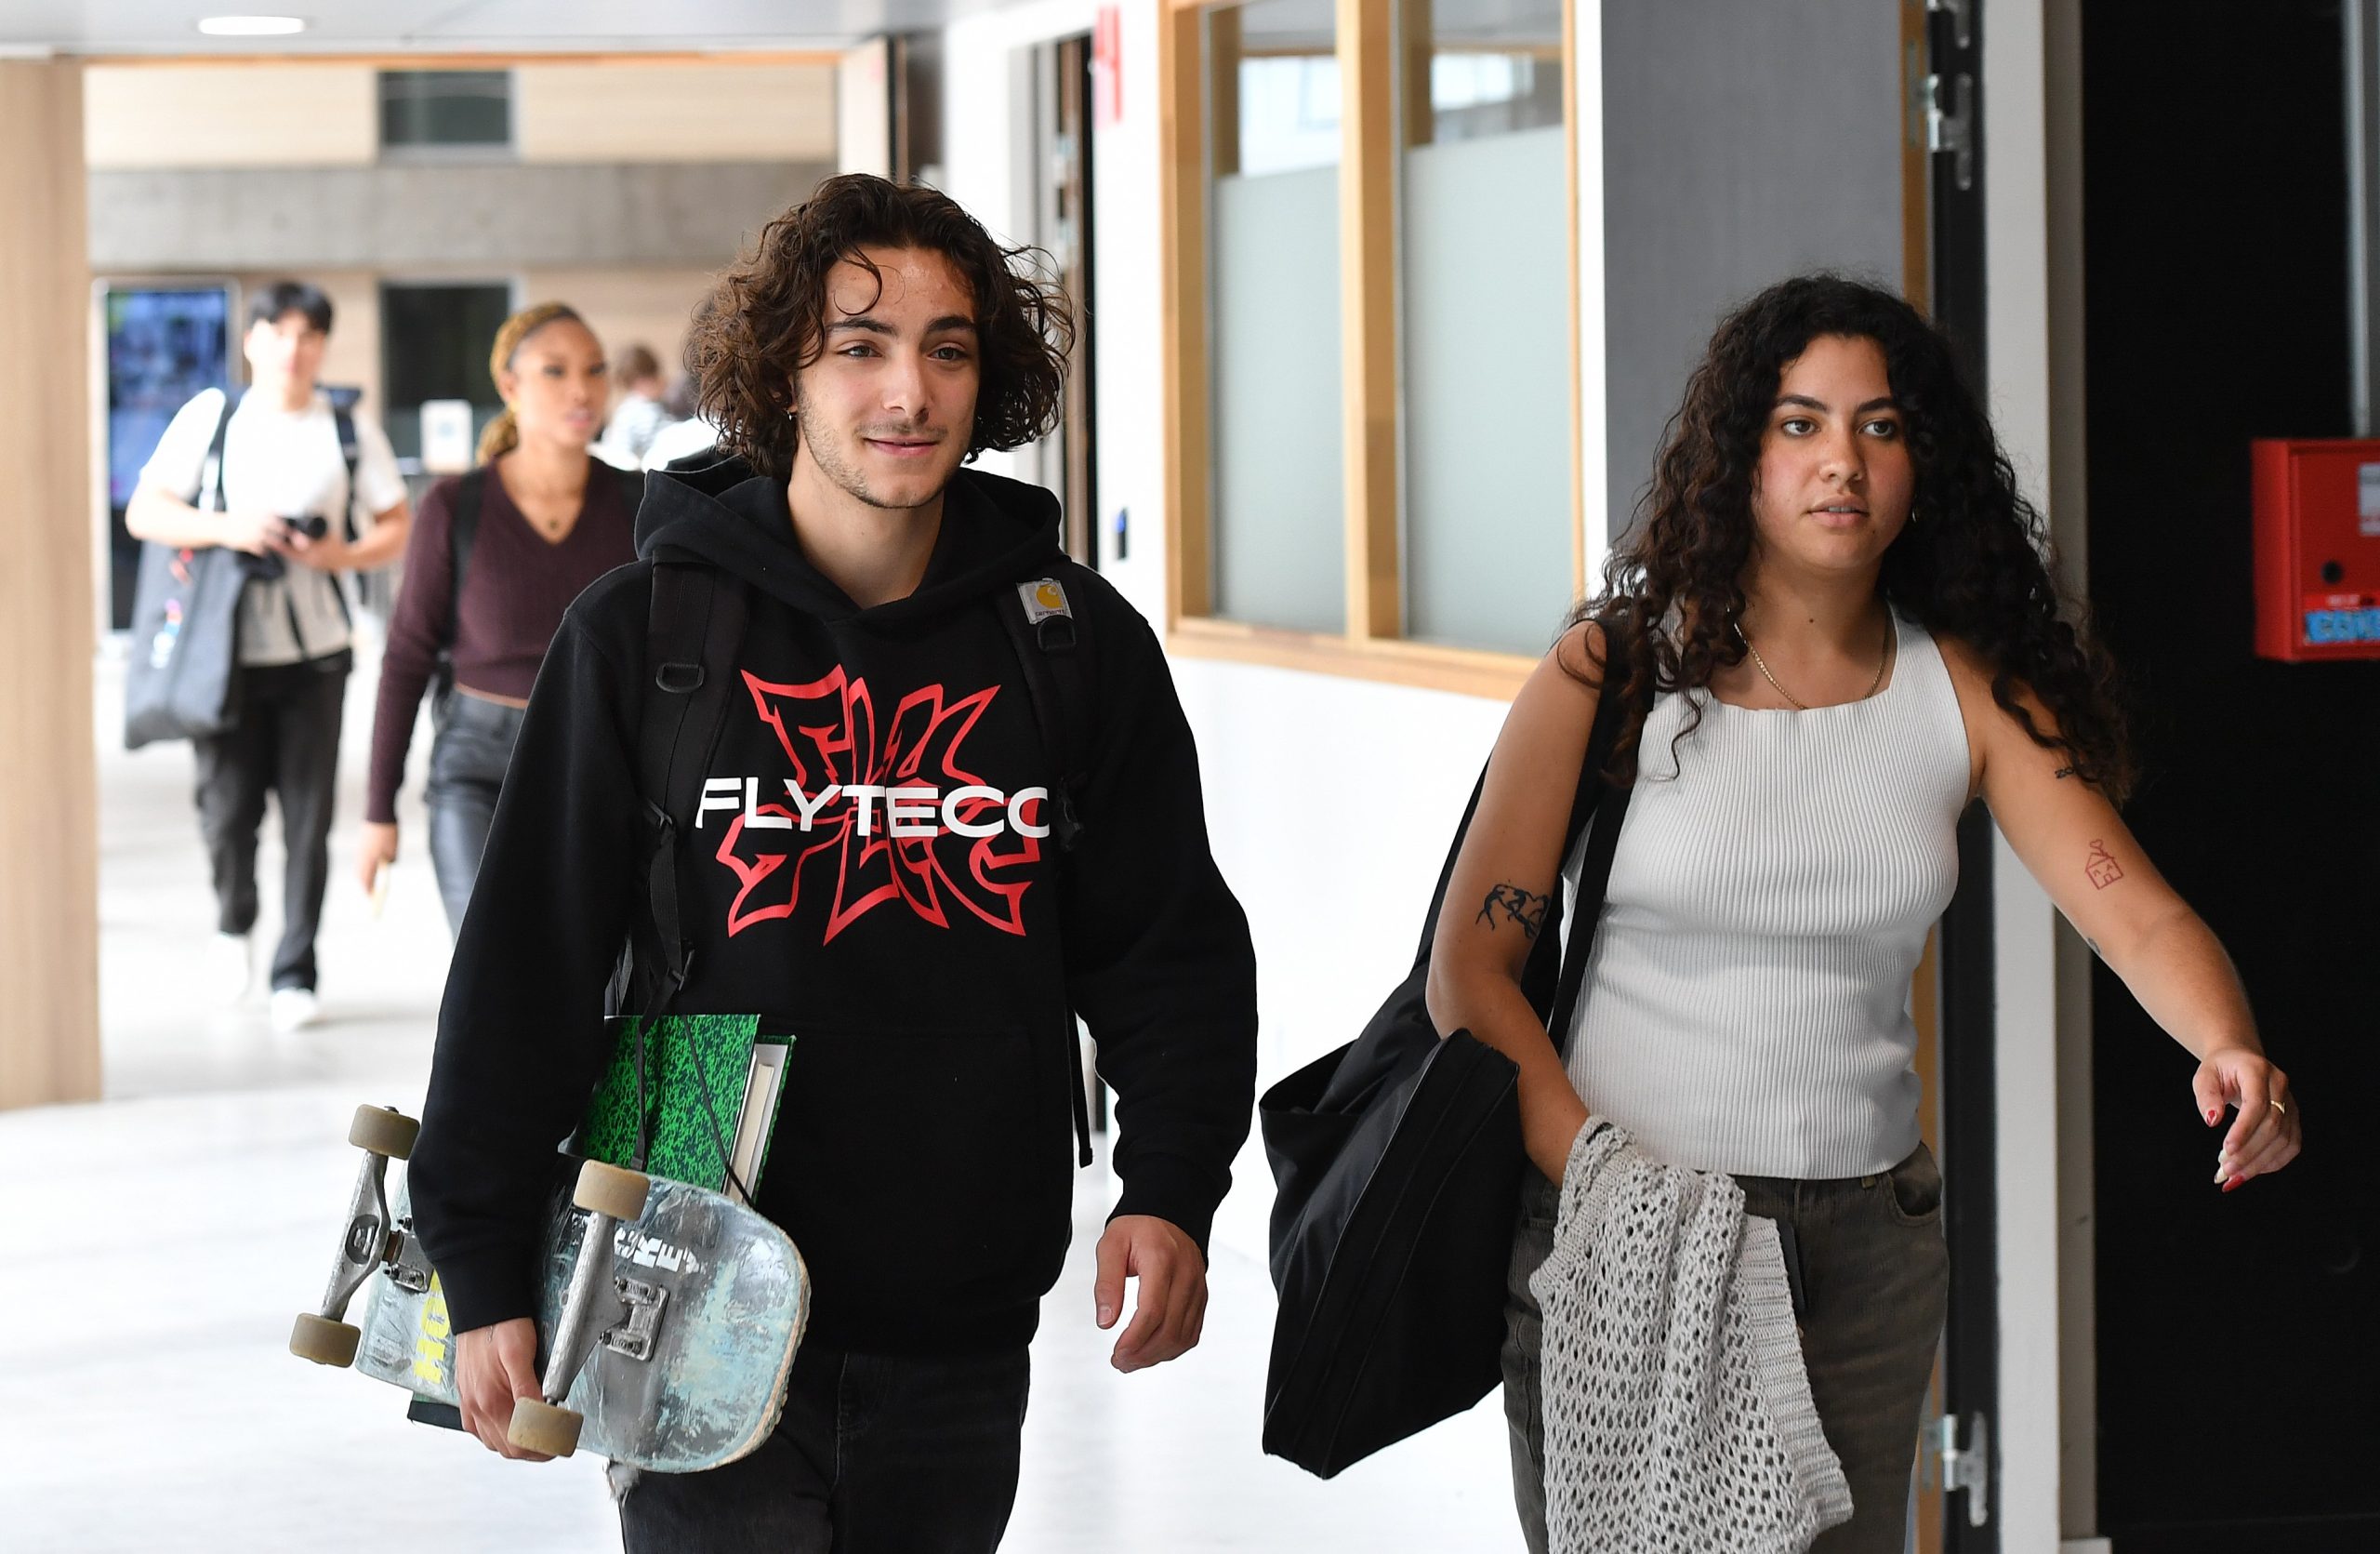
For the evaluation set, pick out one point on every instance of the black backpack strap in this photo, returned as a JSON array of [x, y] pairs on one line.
[[213, 462], [462, 532], [350, 454], [1051, 642], [1605, 805], [693, 630], [693, 634]]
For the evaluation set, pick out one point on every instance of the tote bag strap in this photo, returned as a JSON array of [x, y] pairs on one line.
[[1604, 805]]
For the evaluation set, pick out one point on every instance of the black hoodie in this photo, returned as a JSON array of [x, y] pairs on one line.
[[929, 977]]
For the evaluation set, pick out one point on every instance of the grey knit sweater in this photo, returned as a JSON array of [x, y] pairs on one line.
[[1678, 1417]]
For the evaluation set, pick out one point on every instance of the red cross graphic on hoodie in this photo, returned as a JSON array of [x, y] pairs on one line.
[[979, 849]]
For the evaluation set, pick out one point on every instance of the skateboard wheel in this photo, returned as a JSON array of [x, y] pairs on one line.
[[324, 1341], [609, 1189], [383, 1132], [541, 1427]]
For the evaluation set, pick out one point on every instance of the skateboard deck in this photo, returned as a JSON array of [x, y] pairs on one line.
[[698, 1317]]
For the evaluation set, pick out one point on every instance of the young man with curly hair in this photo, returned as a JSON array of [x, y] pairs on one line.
[[895, 862]]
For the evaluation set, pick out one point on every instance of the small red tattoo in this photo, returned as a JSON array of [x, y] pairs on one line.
[[2102, 868]]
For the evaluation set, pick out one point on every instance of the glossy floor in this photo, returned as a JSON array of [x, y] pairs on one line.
[[155, 1246]]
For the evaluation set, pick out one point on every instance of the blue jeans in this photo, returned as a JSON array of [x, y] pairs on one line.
[[876, 1454]]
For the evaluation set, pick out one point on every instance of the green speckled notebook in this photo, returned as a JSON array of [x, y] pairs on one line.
[[746, 1071]]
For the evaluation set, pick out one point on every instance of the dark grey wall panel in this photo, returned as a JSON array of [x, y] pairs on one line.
[[1744, 140], [390, 217]]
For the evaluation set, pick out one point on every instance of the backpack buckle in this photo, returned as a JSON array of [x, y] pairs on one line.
[[679, 679], [1049, 613]]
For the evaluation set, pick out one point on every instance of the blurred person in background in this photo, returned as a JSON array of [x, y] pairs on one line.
[[293, 485], [688, 432], [641, 412], [497, 556]]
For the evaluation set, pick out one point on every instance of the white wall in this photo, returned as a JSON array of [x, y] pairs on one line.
[[277, 115], [717, 111], [2025, 926], [305, 115]]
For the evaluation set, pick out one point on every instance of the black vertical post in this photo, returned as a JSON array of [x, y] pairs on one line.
[[1969, 1065]]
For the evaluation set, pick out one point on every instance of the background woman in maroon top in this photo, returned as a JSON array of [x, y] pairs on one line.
[[552, 519]]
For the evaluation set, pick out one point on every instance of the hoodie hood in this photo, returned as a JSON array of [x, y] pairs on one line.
[[995, 532]]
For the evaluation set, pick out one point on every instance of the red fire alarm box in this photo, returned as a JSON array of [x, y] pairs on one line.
[[2318, 549]]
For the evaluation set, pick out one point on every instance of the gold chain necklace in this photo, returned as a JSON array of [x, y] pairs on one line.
[[1883, 659]]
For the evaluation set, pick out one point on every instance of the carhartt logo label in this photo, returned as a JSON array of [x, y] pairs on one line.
[[895, 818], [1043, 598]]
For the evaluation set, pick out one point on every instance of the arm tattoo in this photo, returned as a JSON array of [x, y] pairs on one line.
[[1518, 906], [2101, 867], [2063, 771]]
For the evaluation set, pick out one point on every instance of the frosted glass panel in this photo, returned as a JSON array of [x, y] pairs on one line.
[[1279, 525], [1488, 392]]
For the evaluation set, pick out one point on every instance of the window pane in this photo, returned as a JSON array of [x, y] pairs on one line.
[[446, 108], [1486, 350], [1273, 146]]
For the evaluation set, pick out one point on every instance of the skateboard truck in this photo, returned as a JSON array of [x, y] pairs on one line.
[[611, 1196], [643, 1303], [372, 1240]]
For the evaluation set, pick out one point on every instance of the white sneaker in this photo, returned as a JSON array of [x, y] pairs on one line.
[[293, 1009], [231, 966]]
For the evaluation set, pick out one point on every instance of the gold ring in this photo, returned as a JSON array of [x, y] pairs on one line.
[[2274, 1102]]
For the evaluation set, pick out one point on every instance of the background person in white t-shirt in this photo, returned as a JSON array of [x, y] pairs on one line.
[[282, 466], [640, 413]]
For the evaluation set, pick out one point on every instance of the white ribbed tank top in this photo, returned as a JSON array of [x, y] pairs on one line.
[[1745, 1005]]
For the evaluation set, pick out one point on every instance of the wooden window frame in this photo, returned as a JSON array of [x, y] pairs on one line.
[[1374, 646]]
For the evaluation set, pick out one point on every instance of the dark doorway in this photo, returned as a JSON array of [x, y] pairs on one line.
[[2237, 1352], [435, 341]]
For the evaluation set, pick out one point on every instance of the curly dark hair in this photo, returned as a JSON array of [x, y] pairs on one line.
[[1973, 569], [765, 319]]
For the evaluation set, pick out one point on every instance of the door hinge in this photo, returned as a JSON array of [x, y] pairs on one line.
[[1961, 15], [1951, 128], [1963, 1467]]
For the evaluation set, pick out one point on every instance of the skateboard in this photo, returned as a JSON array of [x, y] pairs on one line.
[[668, 1315]]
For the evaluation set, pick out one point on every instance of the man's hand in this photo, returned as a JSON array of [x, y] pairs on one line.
[[1172, 1304], [493, 1366], [326, 554], [256, 532]]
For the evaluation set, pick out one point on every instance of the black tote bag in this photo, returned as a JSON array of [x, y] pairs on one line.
[[1396, 1162], [185, 644], [179, 679]]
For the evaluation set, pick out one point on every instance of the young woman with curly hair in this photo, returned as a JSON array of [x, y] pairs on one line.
[[884, 851], [1838, 629]]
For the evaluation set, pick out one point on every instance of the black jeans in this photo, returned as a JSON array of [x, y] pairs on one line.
[[1877, 1277], [285, 743], [467, 765], [876, 1454]]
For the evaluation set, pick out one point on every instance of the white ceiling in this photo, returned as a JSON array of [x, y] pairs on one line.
[[155, 27]]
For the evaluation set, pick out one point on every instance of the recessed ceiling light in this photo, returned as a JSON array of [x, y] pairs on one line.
[[251, 26]]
